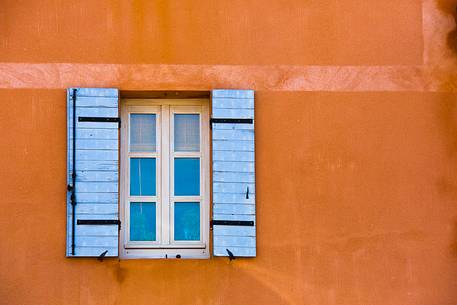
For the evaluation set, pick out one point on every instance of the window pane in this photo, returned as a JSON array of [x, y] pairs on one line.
[[142, 176], [187, 177], [142, 221], [187, 132], [143, 132], [187, 221]]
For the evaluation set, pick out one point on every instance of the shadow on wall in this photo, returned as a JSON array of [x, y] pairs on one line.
[[450, 7], [454, 238]]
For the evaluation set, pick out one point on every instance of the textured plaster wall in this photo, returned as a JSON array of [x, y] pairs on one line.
[[356, 178]]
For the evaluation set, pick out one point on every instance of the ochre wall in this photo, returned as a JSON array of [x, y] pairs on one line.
[[212, 32], [356, 190]]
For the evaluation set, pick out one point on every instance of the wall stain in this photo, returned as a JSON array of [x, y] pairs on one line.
[[450, 7], [445, 68], [454, 243], [447, 117], [120, 272]]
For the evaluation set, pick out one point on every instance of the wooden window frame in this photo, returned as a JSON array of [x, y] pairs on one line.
[[165, 246]]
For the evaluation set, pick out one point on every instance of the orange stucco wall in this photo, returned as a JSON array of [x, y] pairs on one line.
[[356, 162]]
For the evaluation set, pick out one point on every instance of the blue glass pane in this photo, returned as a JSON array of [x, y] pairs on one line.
[[187, 221], [187, 176], [142, 221], [142, 176]]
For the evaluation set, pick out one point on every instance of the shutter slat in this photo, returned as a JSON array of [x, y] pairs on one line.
[[233, 177], [235, 241], [95, 251], [240, 217], [95, 155], [230, 166], [233, 113], [229, 134], [98, 165], [98, 92], [233, 173], [220, 126], [97, 176], [233, 145], [239, 198], [234, 188], [94, 144], [97, 125], [112, 216], [96, 230], [84, 208], [97, 102], [96, 112], [97, 197], [96, 134], [233, 156], [234, 208], [234, 103], [237, 251], [95, 241], [97, 187], [234, 231], [230, 93]]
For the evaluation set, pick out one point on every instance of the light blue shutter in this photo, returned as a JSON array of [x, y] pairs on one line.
[[96, 152], [234, 223]]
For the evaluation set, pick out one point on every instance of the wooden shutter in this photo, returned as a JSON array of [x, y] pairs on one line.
[[234, 229], [93, 224]]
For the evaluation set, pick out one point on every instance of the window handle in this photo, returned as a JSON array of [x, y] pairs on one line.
[[247, 192]]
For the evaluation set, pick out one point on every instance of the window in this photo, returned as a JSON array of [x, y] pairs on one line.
[[164, 178]]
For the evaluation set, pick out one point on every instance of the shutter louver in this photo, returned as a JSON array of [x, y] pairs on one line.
[[95, 188], [233, 149]]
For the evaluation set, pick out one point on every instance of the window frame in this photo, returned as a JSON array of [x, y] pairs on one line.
[[165, 109]]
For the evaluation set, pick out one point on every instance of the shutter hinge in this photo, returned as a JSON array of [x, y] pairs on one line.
[[99, 222], [243, 223], [100, 119], [231, 121]]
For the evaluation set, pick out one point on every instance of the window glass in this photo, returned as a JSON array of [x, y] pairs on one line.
[[142, 176], [142, 221], [143, 132], [187, 221], [187, 177], [187, 132]]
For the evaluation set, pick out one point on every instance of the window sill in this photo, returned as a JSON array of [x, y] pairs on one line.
[[131, 246], [165, 253]]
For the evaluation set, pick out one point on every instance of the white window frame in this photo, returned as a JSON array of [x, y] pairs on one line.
[[164, 246]]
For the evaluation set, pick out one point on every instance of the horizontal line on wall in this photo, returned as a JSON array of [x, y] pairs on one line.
[[207, 77]]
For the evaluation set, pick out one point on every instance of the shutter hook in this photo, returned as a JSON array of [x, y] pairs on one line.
[[230, 254], [102, 255], [247, 193]]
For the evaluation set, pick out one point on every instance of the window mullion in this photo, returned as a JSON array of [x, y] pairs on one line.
[[165, 153]]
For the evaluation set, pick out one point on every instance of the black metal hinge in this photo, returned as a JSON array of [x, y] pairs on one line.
[[247, 223], [99, 119], [95, 222], [231, 121]]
